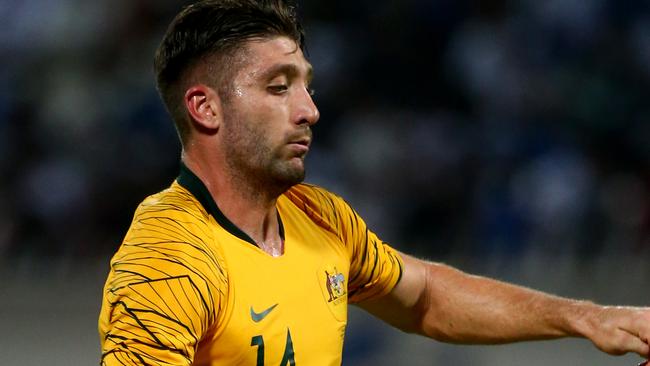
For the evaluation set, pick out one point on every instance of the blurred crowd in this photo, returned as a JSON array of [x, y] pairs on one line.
[[471, 128]]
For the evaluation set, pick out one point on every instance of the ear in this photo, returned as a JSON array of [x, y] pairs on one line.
[[204, 106]]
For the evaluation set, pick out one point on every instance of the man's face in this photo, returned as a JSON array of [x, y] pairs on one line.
[[268, 111]]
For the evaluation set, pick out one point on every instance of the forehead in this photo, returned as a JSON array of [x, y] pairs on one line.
[[263, 55]]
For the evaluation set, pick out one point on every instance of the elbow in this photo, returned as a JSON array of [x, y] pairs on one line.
[[438, 329], [433, 325], [432, 318], [427, 317]]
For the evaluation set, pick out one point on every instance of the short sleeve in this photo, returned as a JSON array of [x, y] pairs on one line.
[[164, 289], [375, 267]]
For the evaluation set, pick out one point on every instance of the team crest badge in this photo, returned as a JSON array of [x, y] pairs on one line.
[[333, 283]]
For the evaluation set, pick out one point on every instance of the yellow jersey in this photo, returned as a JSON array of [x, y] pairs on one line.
[[187, 287]]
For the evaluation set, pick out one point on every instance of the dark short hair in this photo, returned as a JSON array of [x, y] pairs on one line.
[[215, 28]]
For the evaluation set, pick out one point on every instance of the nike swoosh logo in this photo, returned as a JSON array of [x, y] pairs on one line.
[[258, 317]]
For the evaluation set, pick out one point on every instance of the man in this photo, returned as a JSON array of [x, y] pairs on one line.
[[237, 262]]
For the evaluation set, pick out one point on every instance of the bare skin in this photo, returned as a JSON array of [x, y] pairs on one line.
[[248, 145], [446, 304]]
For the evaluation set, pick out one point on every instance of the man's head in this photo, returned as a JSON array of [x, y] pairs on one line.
[[235, 80], [205, 40]]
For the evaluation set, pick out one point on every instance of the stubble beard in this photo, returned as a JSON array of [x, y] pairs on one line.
[[258, 166]]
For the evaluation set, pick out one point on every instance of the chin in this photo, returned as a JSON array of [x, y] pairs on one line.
[[286, 174], [295, 178], [290, 177]]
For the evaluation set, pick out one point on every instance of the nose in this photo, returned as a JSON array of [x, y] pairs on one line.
[[306, 111]]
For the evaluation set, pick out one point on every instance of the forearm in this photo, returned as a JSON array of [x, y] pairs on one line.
[[461, 308], [448, 305]]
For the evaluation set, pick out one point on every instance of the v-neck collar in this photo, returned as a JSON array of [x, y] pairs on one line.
[[189, 180]]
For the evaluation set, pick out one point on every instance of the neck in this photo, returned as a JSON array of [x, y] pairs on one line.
[[241, 200]]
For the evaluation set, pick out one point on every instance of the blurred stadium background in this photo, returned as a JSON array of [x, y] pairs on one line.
[[508, 138]]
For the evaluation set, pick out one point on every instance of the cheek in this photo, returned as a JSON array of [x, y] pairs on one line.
[[259, 119], [271, 120]]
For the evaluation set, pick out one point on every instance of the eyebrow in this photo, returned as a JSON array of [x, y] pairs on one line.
[[291, 70]]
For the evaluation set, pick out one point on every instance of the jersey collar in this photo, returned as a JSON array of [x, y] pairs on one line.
[[188, 180]]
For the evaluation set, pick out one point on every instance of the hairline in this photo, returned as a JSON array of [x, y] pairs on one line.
[[218, 68], [236, 58]]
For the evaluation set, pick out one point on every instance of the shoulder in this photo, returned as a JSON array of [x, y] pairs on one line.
[[170, 235], [173, 212], [168, 256], [175, 201], [312, 197], [322, 206]]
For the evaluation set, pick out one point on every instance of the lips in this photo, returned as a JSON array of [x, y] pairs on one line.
[[299, 145], [304, 141], [300, 140]]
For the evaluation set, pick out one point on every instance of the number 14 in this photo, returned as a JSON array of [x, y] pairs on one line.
[[287, 358]]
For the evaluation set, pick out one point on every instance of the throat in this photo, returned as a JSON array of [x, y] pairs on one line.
[[274, 248]]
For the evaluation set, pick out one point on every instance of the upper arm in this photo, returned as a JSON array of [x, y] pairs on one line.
[[154, 322], [403, 306]]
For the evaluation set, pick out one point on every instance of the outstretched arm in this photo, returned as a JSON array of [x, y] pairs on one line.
[[446, 304]]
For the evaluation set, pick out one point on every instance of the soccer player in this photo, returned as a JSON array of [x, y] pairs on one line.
[[238, 262]]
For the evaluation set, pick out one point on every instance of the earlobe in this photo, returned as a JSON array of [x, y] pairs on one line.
[[204, 106]]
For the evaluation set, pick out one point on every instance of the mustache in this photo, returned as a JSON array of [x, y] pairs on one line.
[[300, 135]]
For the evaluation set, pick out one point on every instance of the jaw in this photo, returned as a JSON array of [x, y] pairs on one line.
[[291, 172], [272, 179]]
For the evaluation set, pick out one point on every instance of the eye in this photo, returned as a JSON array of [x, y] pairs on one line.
[[278, 89]]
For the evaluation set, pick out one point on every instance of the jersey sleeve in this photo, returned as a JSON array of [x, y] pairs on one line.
[[375, 267], [164, 290]]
